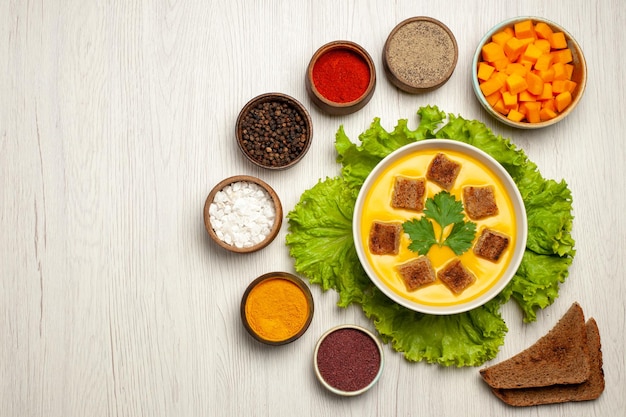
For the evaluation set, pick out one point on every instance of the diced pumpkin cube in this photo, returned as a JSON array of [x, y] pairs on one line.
[[500, 108], [485, 71], [526, 96], [516, 68], [510, 100], [547, 76], [546, 114], [563, 56], [562, 101], [535, 83], [543, 45], [546, 94], [515, 115], [558, 86], [570, 85], [500, 75], [492, 99], [524, 29], [543, 31], [558, 40], [492, 52], [560, 73], [532, 53], [516, 83], [549, 104], [491, 85], [501, 37], [501, 64], [569, 69], [513, 48], [543, 62], [531, 111]]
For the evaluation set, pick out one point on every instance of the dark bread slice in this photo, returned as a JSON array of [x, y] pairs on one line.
[[588, 390], [417, 273], [443, 171], [384, 238], [455, 276], [491, 244], [559, 357], [480, 202], [409, 193]]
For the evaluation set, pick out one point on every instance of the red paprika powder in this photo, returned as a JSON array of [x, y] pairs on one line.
[[341, 75]]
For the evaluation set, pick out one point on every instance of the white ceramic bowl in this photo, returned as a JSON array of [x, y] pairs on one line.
[[436, 298]]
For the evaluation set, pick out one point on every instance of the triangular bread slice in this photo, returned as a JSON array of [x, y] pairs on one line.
[[559, 357], [588, 390]]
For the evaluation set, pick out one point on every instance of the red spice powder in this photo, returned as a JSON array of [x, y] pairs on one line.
[[348, 359], [341, 76]]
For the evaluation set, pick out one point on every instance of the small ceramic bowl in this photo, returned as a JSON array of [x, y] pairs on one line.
[[420, 55], [579, 74], [348, 360], [277, 308], [246, 227], [288, 138], [330, 67]]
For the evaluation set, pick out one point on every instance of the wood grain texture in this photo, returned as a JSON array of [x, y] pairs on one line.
[[116, 119]]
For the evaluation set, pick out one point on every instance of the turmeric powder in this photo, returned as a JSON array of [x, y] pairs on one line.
[[276, 309]]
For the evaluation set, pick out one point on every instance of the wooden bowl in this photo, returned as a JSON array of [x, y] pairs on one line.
[[292, 140], [579, 74], [332, 106], [420, 55], [210, 219], [281, 303]]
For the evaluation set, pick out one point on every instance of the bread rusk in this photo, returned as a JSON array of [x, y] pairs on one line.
[[417, 273], [384, 238], [591, 389], [559, 357]]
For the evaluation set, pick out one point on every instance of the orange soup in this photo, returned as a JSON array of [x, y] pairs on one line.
[[377, 207]]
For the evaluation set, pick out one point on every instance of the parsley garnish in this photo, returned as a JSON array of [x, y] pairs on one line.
[[446, 210]]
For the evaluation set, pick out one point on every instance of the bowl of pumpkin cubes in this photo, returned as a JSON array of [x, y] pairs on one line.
[[529, 72]]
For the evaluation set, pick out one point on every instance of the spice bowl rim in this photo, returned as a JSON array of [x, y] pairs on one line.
[[271, 96], [580, 72], [395, 79], [285, 276], [332, 107], [278, 219], [339, 391]]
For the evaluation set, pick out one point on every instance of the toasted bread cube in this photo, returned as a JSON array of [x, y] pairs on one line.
[[417, 273], [479, 202], [491, 244], [455, 276], [385, 238], [443, 171], [409, 193]]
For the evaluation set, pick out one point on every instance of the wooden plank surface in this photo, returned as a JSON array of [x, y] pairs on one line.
[[117, 118]]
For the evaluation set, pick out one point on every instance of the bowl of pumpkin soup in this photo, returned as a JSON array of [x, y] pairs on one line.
[[440, 226]]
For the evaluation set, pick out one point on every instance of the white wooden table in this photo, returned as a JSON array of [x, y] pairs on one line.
[[116, 119]]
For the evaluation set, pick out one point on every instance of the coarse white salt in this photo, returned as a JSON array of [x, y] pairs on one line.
[[242, 214]]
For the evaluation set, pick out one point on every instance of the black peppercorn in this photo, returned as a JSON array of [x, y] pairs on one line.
[[273, 132]]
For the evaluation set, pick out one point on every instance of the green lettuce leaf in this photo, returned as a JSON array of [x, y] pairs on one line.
[[321, 243], [320, 240]]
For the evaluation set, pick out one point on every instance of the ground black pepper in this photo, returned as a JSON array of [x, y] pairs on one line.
[[348, 359], [273, 133]]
